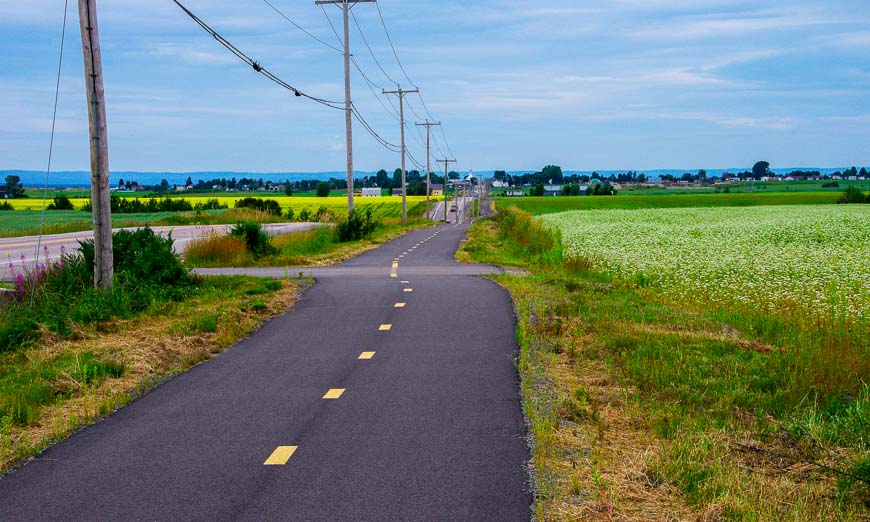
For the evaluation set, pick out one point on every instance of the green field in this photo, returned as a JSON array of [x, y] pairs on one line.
[[26, 218], [549, 205]]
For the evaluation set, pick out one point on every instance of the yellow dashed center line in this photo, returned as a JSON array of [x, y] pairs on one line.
[[365, 356], [334, 393], [408, 290], [385, 327], [406, 282], [280, 456], [399, 305]]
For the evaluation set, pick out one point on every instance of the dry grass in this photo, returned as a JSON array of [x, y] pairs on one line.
[[218, 248], [152, 347]]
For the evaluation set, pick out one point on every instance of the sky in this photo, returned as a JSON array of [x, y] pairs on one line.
[[598, 84]]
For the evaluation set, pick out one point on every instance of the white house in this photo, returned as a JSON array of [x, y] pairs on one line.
[[371, 192]]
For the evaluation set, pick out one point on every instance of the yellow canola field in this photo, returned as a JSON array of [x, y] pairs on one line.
[[384, 205]]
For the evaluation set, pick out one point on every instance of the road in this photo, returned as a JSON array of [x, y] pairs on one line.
[[22, 250], [388, 392], [462, 205]]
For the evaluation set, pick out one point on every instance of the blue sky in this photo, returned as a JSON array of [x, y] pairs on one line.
[[613, 84]]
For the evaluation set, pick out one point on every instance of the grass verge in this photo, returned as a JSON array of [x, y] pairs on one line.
[[643, 409], [62, 383], [316, 247]]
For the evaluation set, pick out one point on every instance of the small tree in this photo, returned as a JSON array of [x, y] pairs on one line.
[[538, 190], [14, 188], [322, 190], [61, 202]]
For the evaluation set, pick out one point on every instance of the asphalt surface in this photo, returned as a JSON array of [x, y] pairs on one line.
[[23, 250], [428, 428]]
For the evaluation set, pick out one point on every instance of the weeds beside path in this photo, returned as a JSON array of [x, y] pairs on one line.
[[643, 409]]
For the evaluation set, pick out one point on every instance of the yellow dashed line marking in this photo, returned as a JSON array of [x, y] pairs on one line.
[[280, 456], [406, 282], [399, 305], [408, 290], [334, 393], [385, 327], [365, 356]]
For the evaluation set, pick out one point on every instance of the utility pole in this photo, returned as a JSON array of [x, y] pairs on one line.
[[348, 105], [446, 162], [402, 94], [99, 145], [428, 157]]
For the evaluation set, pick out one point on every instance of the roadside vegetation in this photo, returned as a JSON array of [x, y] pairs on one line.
[[77, 354], [248, 245], [644, 405]]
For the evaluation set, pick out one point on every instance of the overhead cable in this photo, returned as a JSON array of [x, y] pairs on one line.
[[253, 63]]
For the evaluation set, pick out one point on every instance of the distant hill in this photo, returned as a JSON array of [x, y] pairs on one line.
[[33, 178]]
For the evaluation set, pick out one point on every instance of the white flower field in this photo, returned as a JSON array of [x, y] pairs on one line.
[[811, 259]]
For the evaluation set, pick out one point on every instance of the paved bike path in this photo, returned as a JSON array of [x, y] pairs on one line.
[[428, 428]]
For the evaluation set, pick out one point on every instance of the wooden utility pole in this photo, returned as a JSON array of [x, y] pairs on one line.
[[348, 105], [446, 162], [402, 94], [428, 158], [99, 144]]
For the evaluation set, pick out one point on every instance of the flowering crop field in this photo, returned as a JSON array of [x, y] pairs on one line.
[[806, 259], [387, 206]]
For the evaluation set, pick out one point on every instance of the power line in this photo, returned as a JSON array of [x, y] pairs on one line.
[[328, 19], [393, 47], [392, 147], [254, 64], [50, 148], [285, 17], [371, 52], [405, 73]]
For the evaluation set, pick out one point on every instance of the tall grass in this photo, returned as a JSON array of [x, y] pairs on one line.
[[737, 398]]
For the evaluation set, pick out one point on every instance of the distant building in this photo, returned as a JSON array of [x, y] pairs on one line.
[[371, 192], [514, 193], [397, 192], [499, 184], [436, 189]]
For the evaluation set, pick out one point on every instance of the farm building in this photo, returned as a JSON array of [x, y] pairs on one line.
[[371, 192]]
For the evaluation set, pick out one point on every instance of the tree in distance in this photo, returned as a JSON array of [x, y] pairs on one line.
[[322, 190], [761, 169], [14, 188]]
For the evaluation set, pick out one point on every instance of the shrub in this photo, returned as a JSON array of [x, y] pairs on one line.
[[853, 194], [210, 204], [150, 206], [305, 215], [142, 258], [290, 214], [61, 202], [322, 190], [256, 239], [359, 225], [324, 215], [263, 205], [5, 205], [831, 184]]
